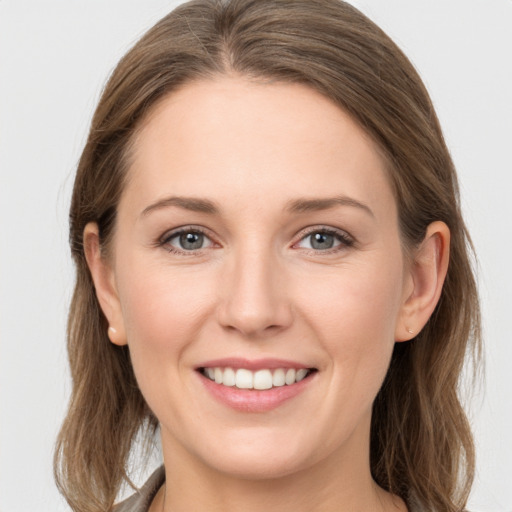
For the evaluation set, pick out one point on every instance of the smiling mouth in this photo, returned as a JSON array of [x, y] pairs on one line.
[[243, 378]]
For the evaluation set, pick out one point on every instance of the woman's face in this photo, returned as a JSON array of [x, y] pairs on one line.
[[257, 241]]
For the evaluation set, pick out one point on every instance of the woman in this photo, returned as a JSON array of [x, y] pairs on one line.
[[272, 268]]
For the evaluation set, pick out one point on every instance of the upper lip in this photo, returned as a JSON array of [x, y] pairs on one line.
[[252, 364]]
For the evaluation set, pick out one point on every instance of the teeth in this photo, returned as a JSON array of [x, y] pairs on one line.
[[300, 374], [229, 377], [260, 379], [290, 376], [278, 379], [244, 379]]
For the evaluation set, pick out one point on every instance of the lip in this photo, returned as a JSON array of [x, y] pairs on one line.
[[253, 365], [253, 400]]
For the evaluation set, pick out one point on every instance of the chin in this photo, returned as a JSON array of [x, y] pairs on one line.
[[266, 457], [258, 467]]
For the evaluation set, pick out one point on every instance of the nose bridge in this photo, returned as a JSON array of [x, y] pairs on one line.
[[254, 299]]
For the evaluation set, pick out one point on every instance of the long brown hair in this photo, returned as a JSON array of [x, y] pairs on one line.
[[421, 444]]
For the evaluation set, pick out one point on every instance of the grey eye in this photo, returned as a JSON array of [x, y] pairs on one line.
[[188, 239], [321, 241], [191, 241], [324, 240]]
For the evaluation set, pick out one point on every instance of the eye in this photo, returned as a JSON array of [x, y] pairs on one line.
[[324, 240], [186, 240]]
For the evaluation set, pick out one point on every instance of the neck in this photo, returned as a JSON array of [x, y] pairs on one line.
[[327, 486]]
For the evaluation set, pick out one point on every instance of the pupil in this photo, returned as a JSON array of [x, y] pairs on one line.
[[191, 241], [322, 241]]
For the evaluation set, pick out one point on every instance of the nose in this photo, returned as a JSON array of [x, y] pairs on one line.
[[254, 300]]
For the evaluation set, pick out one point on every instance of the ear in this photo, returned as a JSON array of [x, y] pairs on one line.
[[426, 275], [103, 277]]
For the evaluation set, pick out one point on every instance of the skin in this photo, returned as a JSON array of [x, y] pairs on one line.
[[257, 289]]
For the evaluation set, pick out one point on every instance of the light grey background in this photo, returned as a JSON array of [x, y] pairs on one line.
[[54, 58]]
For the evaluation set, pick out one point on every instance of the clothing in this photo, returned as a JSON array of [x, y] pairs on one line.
[[141, 500]]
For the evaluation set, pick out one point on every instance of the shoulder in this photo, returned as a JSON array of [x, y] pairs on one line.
[[414, 505], [141, 500]]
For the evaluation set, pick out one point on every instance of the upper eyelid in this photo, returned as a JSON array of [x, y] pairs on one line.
[[168, 235], [326, 229]]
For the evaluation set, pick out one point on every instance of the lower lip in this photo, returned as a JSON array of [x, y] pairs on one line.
[[252, 400]]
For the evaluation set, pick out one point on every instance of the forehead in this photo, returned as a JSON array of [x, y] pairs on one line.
[[231, 139]]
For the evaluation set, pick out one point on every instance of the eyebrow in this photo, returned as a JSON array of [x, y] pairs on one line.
[[193, 204], [302, 205], [317, 204]]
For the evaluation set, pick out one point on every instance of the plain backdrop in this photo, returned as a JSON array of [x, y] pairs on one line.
[[54, 59]]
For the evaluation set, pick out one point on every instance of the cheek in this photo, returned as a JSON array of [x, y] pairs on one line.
[[353, 314], [163, 311], [355, 300], [162, 305]]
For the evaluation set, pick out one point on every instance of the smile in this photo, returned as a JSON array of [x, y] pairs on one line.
[[262, 379]]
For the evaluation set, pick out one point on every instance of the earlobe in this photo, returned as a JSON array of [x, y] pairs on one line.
[[116, 337], [103, 277], [427, 273]]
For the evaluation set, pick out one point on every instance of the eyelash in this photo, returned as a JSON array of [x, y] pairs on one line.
[[345, 240], [165, 240]]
